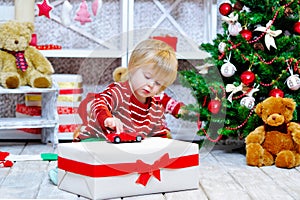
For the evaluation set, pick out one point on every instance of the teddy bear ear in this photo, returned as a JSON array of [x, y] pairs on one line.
[[259, 109], [120, 74], [30, 26], [289, 103]]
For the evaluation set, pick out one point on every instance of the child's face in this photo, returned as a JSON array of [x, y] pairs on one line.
[[145, 83]]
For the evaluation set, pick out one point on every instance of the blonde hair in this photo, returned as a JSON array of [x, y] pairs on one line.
[[157, 54]]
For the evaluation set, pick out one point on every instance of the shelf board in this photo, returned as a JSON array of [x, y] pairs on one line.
[[194, 55], [26, 89], [81, 53], [15, 123]]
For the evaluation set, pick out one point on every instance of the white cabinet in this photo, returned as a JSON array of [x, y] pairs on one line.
[[49, 117]]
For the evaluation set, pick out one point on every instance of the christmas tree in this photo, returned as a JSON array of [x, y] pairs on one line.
[[255, 57]]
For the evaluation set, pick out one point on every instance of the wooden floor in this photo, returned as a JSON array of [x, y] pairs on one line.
[[223, 175]]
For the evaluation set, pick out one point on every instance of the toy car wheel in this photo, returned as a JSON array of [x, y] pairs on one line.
[[117, 139], [138, 138]]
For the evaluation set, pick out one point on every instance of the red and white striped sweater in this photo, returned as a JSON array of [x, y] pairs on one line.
[[117, 100]]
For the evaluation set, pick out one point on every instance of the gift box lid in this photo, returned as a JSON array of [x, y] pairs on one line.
[[104, 152]]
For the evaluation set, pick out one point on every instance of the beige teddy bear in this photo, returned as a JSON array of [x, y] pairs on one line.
[[278, 140], [20, 63]]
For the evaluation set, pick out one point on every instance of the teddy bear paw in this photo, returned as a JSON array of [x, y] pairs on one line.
[[286, 159], [42, 82], [254, 154], [12, 82]]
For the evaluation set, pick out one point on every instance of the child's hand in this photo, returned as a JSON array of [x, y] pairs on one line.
[[114, 123]]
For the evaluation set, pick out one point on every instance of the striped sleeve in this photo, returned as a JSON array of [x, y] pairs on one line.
[[103, 104]]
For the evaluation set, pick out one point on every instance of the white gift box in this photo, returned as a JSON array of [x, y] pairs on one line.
[[101, 170]]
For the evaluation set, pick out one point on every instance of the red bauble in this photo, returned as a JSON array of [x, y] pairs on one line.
[[297, 28], [214, 106], [247, 77], [276, 93], [246, 34], [225, 9]]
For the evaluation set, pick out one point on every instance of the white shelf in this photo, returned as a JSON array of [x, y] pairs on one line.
[[49, 119], [82, 53], [196, 55], [112, 54], [26, 89], [16, 123]]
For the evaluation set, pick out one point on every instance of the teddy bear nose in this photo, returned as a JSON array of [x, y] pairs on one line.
[[274, 117], [16, 42]]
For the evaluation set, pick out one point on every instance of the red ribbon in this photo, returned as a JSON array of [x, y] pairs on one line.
[[3, 155], [71, 91], [67, 128], [145, 170]]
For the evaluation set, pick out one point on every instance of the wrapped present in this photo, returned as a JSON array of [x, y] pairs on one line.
[[172, 41], [101, 170], [68, 118], [29, 111], [33, 99], [68, 100], [70, 91]]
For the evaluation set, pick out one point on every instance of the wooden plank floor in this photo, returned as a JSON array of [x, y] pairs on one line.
[[223, 175]]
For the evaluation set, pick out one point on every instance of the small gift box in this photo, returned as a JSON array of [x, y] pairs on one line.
[[172, 41], [68, 118], [101, 170], [70, 91]]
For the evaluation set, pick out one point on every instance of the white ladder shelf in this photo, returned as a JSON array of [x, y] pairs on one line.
[[49, 117]]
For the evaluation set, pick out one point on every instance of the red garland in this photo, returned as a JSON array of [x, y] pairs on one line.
[[243, 124], [216, 92], [210, 139], [242, 95], [49, 47], [268, 63]]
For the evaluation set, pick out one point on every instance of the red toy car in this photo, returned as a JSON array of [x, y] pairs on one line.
[[125, 137]]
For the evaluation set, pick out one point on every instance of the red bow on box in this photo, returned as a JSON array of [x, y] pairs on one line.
[[146, 171]]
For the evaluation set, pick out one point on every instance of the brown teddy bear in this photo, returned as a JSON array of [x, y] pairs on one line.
[[120, 74], [21, 64], [278, 140]]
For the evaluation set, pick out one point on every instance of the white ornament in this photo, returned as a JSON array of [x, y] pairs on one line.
[[203, 69], [234, 27], [65, 13], [233, 89], [293, 82], [221, 47], [228, 69], [248, 102], [270, 34]]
